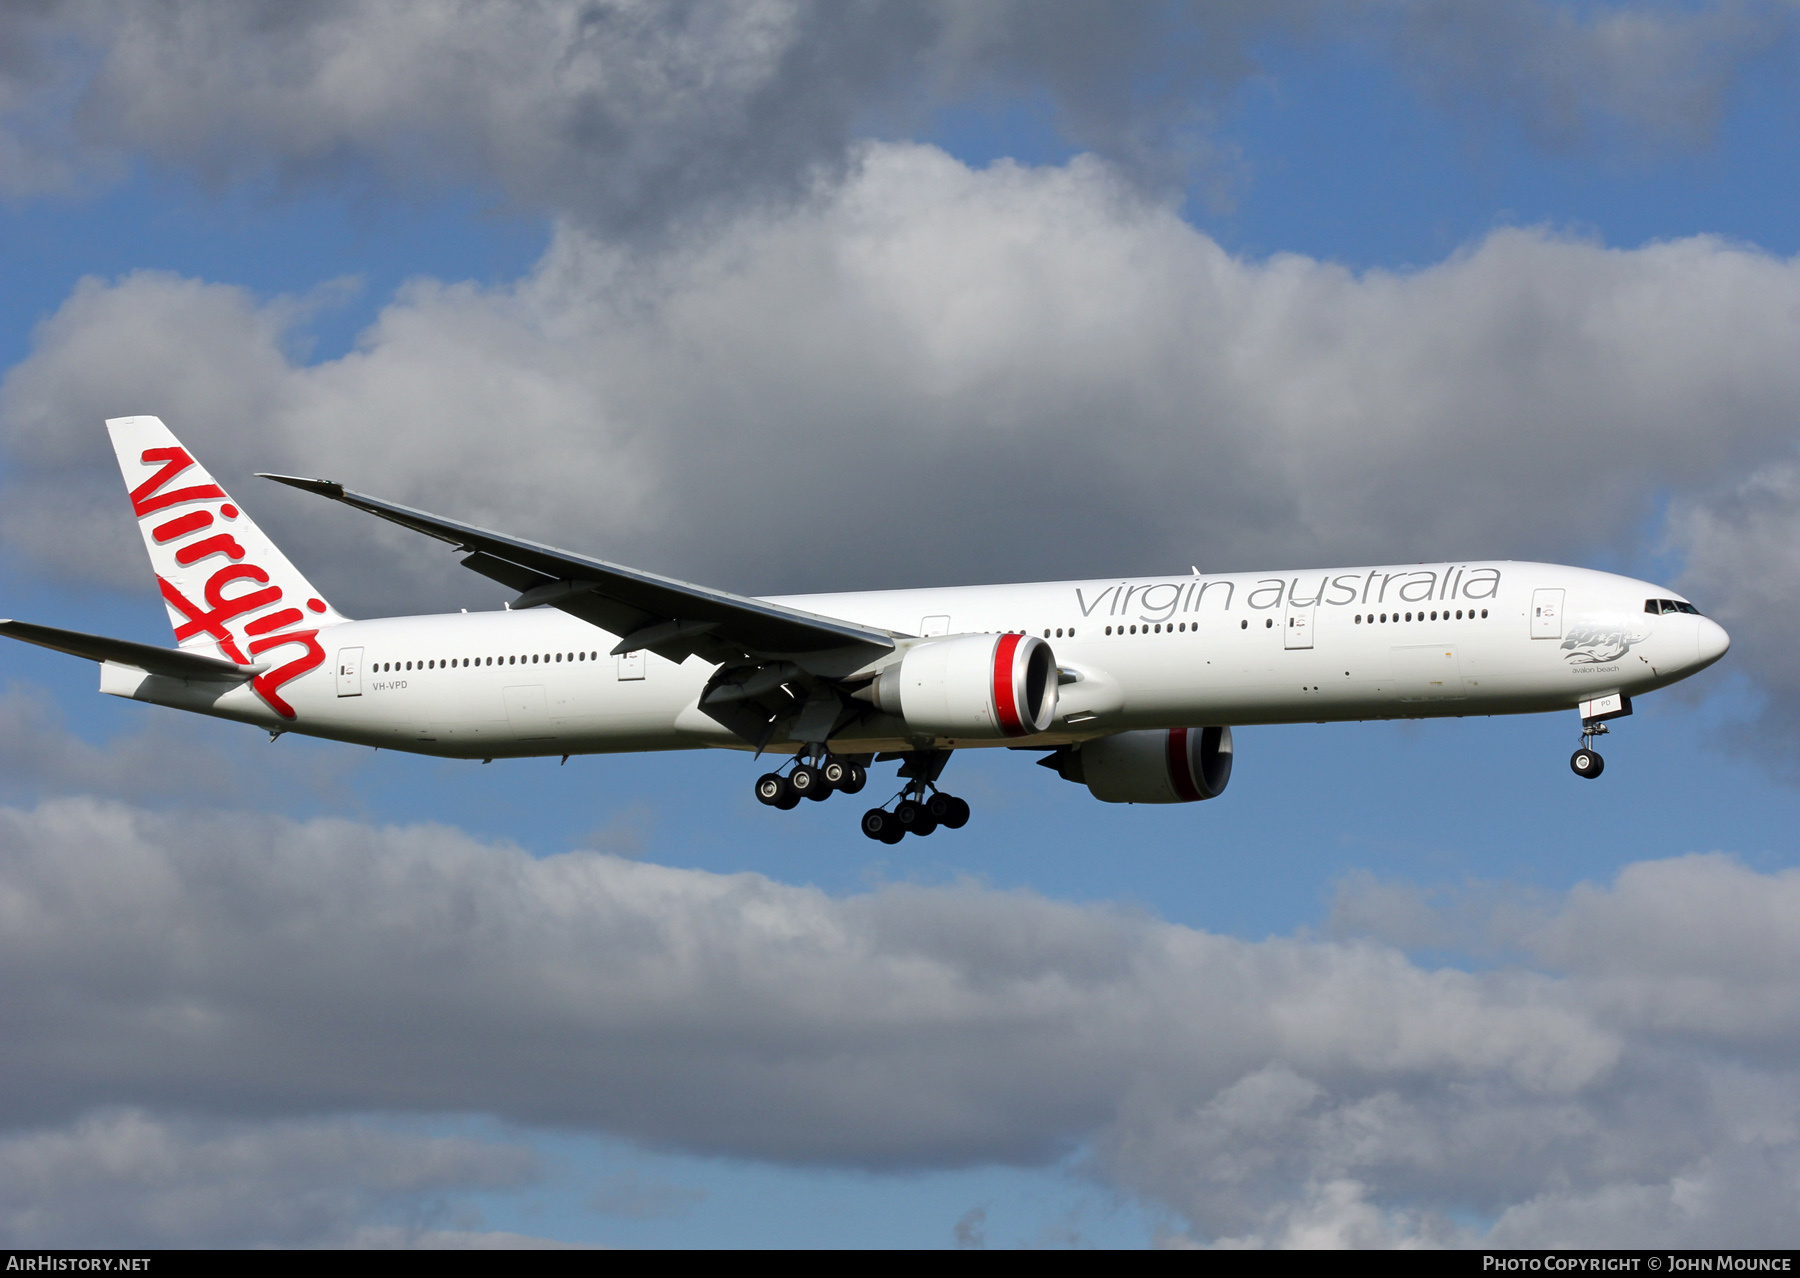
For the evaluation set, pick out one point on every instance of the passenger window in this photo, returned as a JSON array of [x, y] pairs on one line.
[[1243, 625], [1268, 623]]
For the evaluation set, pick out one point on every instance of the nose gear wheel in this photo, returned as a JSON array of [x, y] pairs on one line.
[[1586, 762]]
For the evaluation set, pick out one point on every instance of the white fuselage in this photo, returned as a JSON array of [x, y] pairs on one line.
[[1424, 640]]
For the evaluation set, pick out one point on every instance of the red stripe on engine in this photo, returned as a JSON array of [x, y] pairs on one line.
[[1181, 774], [1006, 706]]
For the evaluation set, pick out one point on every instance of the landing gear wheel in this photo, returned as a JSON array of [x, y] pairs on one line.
[[914, 818], [772, 789], [855, 778], [882, 827], [809, 783], [958, 814], [836, 772], [1587, 763]]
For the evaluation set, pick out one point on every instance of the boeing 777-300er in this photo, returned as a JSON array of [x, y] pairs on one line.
[[1127, 686]]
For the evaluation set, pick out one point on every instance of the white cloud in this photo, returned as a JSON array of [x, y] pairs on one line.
[[619, 114], [633, 116], [180, 758], [1276, 1092], [1741, 545], [1571, 76], [1033, 372], [124, 1178]]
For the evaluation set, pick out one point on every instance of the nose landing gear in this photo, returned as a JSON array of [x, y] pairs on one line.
[[1586, 762]]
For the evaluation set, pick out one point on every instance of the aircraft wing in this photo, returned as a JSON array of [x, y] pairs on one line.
[[172, 662], [659, 614]]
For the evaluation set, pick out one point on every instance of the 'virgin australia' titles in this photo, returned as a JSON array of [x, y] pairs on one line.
[[1129, 687]]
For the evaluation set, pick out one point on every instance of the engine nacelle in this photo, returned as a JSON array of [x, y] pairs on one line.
[[971, 686], [1176, 765]]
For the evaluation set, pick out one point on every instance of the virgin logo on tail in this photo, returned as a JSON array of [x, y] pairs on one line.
[[224, 617]]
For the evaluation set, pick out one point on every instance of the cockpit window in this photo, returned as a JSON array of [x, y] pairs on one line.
[[1655, 606]]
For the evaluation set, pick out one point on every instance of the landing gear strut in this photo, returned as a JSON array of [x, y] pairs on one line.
[[1586, 762]]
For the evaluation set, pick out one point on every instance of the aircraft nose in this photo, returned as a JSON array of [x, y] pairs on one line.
[[1711, 641]]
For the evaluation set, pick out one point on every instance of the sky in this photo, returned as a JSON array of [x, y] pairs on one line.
[[790, 297]]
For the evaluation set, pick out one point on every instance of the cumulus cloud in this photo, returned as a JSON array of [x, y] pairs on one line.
[[942, 374], [629, 116], [125, 1178], [1276, 1092], [1570, 76], [170, 758], [622, 115], [1740, 543]]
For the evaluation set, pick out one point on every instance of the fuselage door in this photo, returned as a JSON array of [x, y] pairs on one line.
[[1427, 672], [1546, 614], [1299, 632], [349, 672], [934, 626], [528, 712]]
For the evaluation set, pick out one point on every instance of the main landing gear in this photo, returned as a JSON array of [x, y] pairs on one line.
[[1586, 762], [920, 816], [816, 781], [920, 808]]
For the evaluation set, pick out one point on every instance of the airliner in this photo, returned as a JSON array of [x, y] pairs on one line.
[[1128, 686]]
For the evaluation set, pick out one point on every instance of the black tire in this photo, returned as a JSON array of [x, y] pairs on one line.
[[894, 833], [1587, 763], [836, 772], [958, 816], [938, 806], [771, 789], [914, 817], [809, 783], [855, 778], [876, 823]]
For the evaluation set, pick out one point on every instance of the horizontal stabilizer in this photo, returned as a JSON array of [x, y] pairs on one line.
[[172, 662]]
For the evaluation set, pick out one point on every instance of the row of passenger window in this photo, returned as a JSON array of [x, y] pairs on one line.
[[531, 659], [1372, 619], [1181, 627], [1172, 627]]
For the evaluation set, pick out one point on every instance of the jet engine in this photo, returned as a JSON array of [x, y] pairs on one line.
[[1176, 765], [971, 686]]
